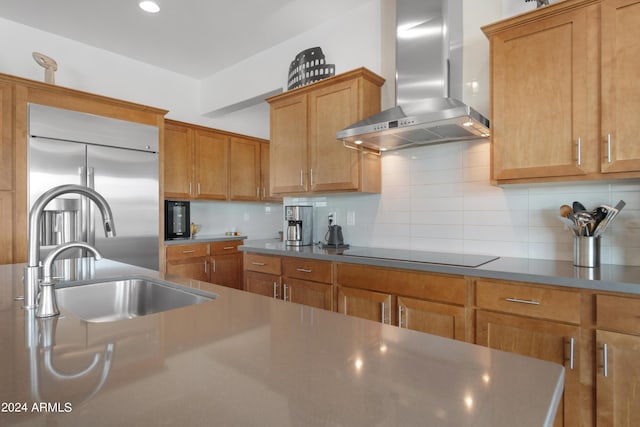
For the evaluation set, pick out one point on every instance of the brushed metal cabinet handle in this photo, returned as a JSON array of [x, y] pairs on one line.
[[572, 342], [284, 296], [259, 264], [213, 266], [523, 301], [228, 248], [188, 251], [605, 364], [301, 178], [304, 270], [609, 147], [400, 316], [579, 151], [206, 270], [383, 314], [275, 290]]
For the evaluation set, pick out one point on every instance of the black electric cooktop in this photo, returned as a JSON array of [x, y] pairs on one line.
[[444, 258]]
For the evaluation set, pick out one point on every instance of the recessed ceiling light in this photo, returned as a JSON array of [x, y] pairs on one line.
[[149, 6]]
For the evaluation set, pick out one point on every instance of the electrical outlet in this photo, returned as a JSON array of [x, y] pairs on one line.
[[332, 217], [351, 218]]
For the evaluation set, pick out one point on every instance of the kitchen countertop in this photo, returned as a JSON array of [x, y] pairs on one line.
[[244, 359], [607, 277], [204, 239]]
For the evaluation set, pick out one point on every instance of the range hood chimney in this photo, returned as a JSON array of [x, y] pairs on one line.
[[429, 84]]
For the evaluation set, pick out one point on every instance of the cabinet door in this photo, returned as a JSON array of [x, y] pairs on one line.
[[444, 320], [211, 159], [289, 163], [333, 166], [370, 305], [264, 284], [540, 125], [192, 268], [618, 379], [620, 88], [265, 180], [6, 136], [6, 227], [226, 270], [555, 342], [178, 161], [314, 294], [244, 169]]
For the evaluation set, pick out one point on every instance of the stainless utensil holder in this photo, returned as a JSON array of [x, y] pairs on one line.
[[586, 251]]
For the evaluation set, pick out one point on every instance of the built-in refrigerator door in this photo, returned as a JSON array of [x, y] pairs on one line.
[[128, 179], [52, 163]]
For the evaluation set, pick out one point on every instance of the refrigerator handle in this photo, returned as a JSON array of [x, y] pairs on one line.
[[84, 205], [91, 237]]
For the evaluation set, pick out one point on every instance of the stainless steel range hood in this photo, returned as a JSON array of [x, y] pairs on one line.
[[428, 84]]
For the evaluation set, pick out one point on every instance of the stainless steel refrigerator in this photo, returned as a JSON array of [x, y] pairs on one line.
[[118, 159]]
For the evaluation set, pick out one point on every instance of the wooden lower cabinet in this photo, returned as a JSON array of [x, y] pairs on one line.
[[192, 268], [215, 262], [444, 320], [542, 339], [617, 379], [314, 294], [263, 284], [369, 305], [226, 270], [617, 361]]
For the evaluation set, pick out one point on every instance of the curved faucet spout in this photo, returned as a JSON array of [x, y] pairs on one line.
[[32, 271], [35, 216]]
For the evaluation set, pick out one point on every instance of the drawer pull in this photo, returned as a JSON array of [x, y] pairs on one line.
[[523, 301], [400, 316], [228, 248], [189, 252], [304, 270], [259, 264]]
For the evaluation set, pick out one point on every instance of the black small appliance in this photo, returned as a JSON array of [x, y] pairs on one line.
[[177, 220]]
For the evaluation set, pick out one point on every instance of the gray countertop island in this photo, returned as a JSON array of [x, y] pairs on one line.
[[242, 359]]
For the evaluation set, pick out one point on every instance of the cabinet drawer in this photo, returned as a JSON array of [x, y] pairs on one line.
[[175, 252], [262, 263], [543, 302], [307, 269], [619, 314], [224, 247], [428, 286]]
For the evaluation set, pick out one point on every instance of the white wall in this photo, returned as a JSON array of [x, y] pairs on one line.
[[86, 68]]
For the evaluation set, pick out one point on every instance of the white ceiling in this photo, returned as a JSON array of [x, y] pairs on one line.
[[195, 38]]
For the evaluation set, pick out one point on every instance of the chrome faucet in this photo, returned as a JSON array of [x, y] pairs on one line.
[[32, 270], [47, 305]]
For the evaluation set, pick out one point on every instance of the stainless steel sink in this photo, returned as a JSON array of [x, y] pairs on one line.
[[113, 300]]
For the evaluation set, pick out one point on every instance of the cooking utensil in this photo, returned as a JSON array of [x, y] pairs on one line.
[[570, 224], [565, 211], [612, 212], [578, 207], [585, 222]]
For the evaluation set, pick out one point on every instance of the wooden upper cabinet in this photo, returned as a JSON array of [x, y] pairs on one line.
[[6, 136], [211, 151], [620, 86], [540, 98], [265, 175], [178, 161], [244, 169], [332, 167], [306, 157], [288, 145], [565, 92]]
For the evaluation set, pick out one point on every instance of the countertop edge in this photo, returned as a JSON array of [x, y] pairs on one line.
[[607, 277]]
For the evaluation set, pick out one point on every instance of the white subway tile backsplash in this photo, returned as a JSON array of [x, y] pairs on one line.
[[439, 198]]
